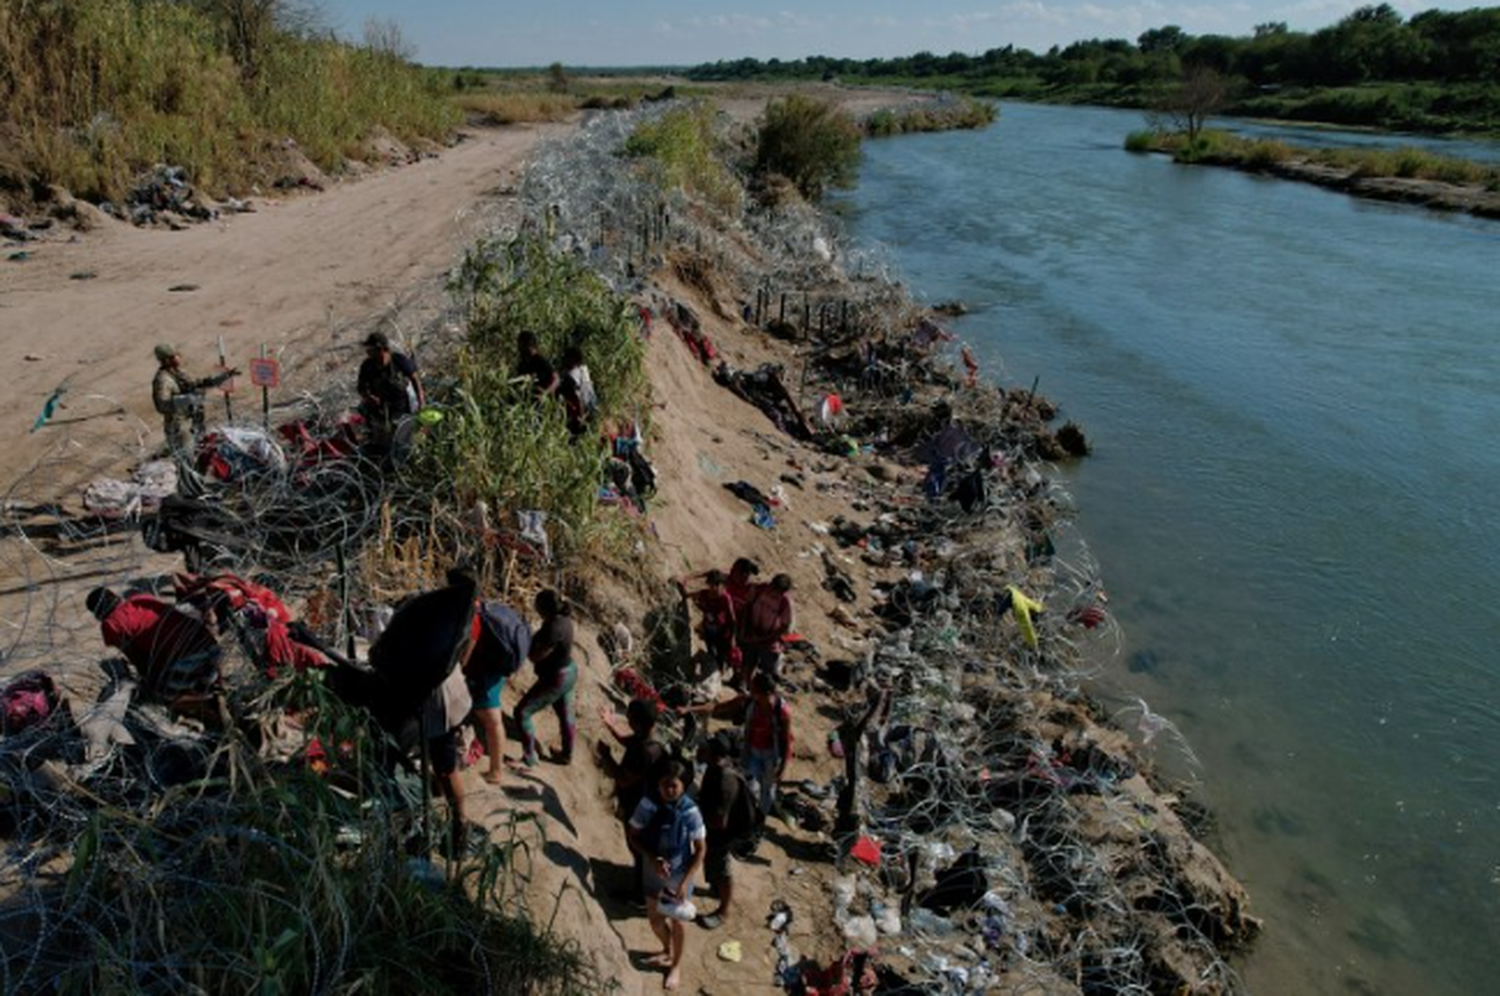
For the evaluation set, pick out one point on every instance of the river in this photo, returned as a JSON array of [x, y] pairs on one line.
[[1294, 398]]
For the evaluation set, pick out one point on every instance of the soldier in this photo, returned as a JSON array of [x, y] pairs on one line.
[[179, 398]]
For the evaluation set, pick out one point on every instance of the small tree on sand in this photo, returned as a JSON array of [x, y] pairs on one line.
[[812, 143], [557, 78], [1190, 104]]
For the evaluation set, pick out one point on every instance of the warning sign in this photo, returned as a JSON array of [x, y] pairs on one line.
[[265, 373]]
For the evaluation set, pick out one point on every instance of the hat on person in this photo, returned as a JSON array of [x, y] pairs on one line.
[[164, 351], [378, 340]]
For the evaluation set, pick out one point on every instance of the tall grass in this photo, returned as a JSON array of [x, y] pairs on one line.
[[1221, 148], [283, 878], [501, 444], [679, 150], [92, 92], [515, 107], [946, 113]]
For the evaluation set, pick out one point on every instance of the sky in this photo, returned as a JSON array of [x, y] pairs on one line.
[[602, 33]]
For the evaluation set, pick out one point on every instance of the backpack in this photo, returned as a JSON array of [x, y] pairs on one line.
[[27, 700], [747, 821], [504, 639]]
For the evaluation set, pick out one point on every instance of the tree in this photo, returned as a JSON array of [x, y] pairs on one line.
[[1167, 39], [557, 78], [1195, 99], [812, 143]]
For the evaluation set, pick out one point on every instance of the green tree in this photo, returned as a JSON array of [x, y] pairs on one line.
[[812, 143], [557, 78], [1200, 94]]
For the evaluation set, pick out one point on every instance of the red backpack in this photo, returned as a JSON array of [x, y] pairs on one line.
[[26, 701]]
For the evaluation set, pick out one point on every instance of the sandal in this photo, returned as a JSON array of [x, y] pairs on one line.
[[710, 921]]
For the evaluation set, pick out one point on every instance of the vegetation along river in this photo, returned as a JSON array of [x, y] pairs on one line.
[[1294, 398]]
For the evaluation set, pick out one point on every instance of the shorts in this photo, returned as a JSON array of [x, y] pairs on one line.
[[656, 885], [485, 690], [442, 752], [718, 863]]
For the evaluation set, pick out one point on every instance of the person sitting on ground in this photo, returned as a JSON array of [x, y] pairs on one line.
[[768, 733], [442, 718], [632, 773], [718, 626], [719, 799], [576, 388], [174, 654], [534, 365], [389, 386], [669, 830], [556, 674], [179, 399], [501, 641], [767, 619]]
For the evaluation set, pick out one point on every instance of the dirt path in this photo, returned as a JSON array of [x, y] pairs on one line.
[[315, 264]]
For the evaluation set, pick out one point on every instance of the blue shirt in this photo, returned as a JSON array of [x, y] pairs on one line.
[[669, 831]]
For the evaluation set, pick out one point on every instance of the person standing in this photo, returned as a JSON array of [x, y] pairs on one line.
[[533, 364], [717, 608], [179, 399], [551, 654], [669, 831], [389, 386], [501, 642], [719, 799], [766, 621], [768, 733], [633, 771]]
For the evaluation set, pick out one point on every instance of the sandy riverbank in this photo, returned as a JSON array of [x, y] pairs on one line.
[[1087, 863]]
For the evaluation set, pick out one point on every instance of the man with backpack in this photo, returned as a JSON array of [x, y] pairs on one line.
[[500, 645], [768, 734], [733, 817]]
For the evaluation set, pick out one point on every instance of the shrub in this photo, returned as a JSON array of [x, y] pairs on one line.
[[501, 444], [678, 151], [812, 143], [1143, 140]]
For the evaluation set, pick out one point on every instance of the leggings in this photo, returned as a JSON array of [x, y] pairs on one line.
[[555, 691]]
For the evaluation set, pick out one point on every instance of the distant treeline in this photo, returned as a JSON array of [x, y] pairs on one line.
[[1439, 70]]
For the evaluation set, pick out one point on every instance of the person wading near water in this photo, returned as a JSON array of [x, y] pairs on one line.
[[179, 399], [556, 674], [669, 830], [389, 387]]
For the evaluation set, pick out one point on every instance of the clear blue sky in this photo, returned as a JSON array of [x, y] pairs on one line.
[[687, 32]]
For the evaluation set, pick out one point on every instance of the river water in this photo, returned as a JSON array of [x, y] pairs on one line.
[[1294, 398]]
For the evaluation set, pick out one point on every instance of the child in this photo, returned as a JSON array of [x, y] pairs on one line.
[[670, 833], [718, 617]]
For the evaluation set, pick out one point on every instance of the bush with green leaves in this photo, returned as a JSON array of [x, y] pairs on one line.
[[679, 149], [813, 143], [498, 441]]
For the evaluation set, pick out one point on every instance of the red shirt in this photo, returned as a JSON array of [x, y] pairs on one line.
[[152, 634], [718, 610], [769, 729], [767, 618]]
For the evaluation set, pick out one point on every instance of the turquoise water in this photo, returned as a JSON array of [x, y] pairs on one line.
[[1294, 398]]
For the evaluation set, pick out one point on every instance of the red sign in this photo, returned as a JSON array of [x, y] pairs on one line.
[[265, 373]]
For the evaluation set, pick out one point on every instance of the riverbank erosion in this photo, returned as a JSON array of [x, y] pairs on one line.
[[954, 801]]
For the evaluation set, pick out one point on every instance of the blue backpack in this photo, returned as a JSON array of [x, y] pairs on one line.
[[504, 640]]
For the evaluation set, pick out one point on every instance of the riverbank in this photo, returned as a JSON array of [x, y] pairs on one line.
[[1407, 176], [1086, 874]]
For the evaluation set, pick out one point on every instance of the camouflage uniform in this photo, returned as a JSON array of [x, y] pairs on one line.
[[179, 398]]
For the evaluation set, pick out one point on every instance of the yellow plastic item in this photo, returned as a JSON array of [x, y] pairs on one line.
[[1023, 606], [730, 951]]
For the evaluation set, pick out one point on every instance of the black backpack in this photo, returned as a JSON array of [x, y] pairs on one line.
[[746, 821]]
